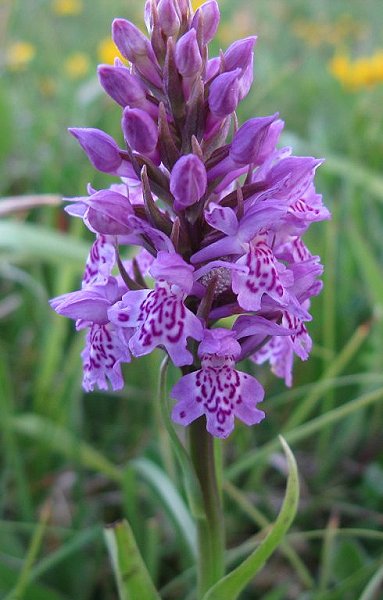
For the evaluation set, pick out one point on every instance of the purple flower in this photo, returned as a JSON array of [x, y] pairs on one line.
[[205, 221], [100, 261], [104, 212], [263, 275], [279, 351], [89, 304], [102, 357], [159, 316], [218, 390]]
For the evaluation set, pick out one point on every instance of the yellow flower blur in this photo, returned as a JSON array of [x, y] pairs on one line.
[[76, 65], [19, 55], [67, 7], [316, 33], [359, 73], [108, 51], [197, 3]]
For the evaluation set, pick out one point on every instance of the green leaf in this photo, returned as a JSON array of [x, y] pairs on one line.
[[22, 584], [170, 499], [133, 579], [373, 586], [30, 241], [63, 441], [370, 269], [230, 586], [355, 172], [306, 430]]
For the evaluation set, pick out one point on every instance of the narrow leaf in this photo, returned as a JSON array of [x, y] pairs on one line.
[[370, 269], [305, 430], [170, 499], [230, 586], [373, 586], [133, 579], [36, 242]]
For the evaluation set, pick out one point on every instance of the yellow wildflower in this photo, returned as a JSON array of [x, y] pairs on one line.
[[108, 51], [340, 68], [76, 65], [377, 65], [362, 72], [67, 7], [19, 55]]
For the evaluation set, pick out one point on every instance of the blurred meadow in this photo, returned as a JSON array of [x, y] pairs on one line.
[[72, 462]]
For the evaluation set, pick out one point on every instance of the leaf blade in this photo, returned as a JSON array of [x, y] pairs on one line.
[[230, 586], [133, 579]]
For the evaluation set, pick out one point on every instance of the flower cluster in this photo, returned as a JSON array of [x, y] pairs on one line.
[[215, 212]]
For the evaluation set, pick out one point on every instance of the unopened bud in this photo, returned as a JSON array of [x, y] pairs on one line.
[[140, 130], [100, 148], [239, 54], [121, 85], [224, 93], [188, 57], [134, 46], [168, 17], [248, 142], [207, 18], [188, 181]]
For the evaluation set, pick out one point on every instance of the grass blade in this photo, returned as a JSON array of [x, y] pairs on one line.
[[18, 592], [170, 499], [305, 430], [133, 579], [32, 241], [373, 586]]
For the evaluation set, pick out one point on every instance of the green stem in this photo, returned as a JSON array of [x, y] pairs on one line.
[[211, 538]]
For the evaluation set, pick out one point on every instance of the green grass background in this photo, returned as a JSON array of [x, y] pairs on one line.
[[68, 458]]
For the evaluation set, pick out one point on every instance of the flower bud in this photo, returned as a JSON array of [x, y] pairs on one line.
[[168, 17], [188, 57], [188, 181], [239, 54], [207, 18], [134, 46], [213, 66], [100, 148], [121, 85], [139, 129], [224, 93], [249, 140]]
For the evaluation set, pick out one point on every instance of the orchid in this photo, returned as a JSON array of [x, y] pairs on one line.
[[232, 246]]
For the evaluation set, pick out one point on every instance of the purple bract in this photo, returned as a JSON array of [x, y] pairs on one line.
[[215, 215]]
